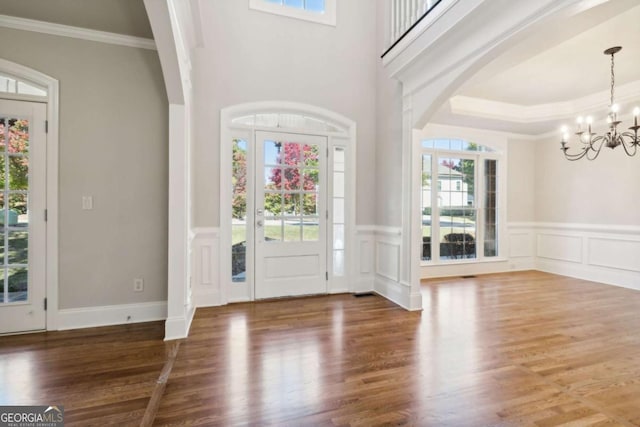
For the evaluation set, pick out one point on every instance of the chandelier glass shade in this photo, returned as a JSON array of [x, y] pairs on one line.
[[589, 143]]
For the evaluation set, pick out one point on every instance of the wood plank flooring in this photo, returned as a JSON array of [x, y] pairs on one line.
[[520, 349], [102, 376]]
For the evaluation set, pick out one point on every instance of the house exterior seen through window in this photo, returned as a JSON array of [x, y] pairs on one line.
[[320, 11]]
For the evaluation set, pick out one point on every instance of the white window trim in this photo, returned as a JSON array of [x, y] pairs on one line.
[[497, 142], [52, 87], [327, 18]]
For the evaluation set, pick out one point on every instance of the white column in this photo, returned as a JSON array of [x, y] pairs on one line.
[[411, 216], [177, 324]]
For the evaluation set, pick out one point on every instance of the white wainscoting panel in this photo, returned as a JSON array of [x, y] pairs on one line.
[[388, 260], [616, 253], [602, 253], [388, 241], [364, 258], [522, 246], [205, 259], [560, 247]]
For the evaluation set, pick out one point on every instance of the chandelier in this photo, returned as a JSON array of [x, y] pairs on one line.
[[589, 143]]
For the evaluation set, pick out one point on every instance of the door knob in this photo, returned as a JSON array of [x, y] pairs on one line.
[[259, 223]]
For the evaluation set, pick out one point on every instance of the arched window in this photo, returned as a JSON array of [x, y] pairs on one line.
[[462, 215], [16, 86]]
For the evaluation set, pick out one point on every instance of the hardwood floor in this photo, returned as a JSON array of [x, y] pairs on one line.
[[102, 376], [521, 349]]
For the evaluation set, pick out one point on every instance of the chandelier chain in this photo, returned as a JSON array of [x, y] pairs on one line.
[[613, 78]]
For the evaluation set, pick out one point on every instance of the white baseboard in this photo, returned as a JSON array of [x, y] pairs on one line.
[[363, 283], [211, 299], [91, 317], [393, 291], [176, 328], [621, 278]]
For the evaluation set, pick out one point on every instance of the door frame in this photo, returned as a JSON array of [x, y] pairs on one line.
[[52, 144], [260, 247], [343, 135]]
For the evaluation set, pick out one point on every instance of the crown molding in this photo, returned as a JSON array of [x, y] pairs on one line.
[[24, 24], [517, 113]]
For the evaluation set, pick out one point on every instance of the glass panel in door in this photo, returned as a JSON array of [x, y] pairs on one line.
[[22, 216], [14, 213]]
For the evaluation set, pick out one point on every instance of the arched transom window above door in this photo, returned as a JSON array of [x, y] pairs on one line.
[[15, 86]]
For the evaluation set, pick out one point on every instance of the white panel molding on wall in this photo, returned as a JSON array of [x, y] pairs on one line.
[[378, 263], [205, 283], [602, 253], [365, 249], [386, 266]]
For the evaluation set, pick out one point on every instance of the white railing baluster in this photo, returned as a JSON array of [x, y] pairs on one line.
[[392, 27], [405, 13], [398, 19]]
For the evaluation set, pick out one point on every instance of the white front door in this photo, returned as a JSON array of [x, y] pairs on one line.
[[22, 216], [290, 215]]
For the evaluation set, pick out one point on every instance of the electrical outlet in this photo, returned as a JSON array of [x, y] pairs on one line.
[[87, 203], [138, 285]]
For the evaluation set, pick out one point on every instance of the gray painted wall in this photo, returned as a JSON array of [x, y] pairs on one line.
[[252, 56], [604, 191], [521, 168], [388, 131], [113, 146]]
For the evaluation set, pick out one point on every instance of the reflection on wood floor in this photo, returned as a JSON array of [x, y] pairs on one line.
[[520, 349]]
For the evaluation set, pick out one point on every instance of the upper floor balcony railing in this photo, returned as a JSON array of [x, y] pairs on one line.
[[405, 15]]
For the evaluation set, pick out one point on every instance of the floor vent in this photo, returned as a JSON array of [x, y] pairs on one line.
[[364, 294], [468, 277]]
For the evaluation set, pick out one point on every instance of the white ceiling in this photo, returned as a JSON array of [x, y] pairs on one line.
[[559, 70]]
